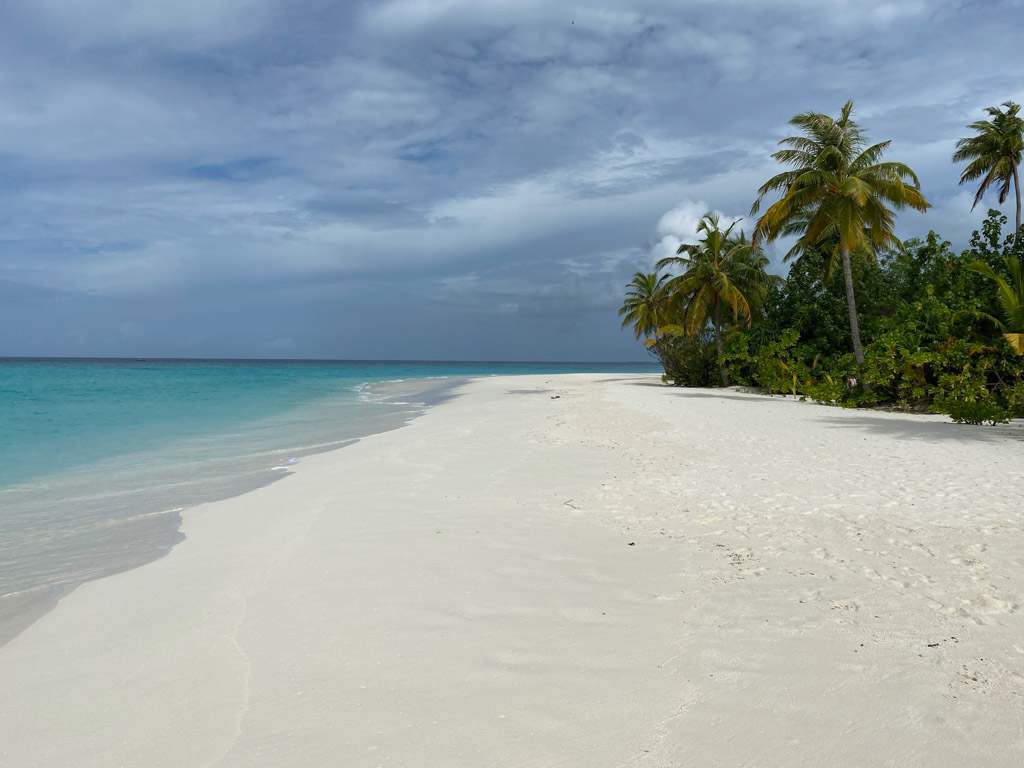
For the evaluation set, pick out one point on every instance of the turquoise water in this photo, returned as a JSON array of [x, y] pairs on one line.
[[59, 414], [97, 457]]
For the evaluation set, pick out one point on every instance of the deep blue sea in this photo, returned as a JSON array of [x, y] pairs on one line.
[[98, 457]]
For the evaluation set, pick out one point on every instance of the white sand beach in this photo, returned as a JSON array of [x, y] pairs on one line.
[[584, 570]]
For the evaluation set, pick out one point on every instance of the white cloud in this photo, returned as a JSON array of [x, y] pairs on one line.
[[679, 225], [681, 222], [414, 141], [665, 248]]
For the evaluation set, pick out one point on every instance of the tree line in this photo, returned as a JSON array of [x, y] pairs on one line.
[[862, 318]]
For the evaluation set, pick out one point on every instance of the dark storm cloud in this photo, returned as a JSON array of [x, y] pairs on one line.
[[428, 178]]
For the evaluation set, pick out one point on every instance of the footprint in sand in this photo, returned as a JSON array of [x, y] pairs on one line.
[[987, 605], [826, 556], [874, 575], [967, 562], [844, 605], [740, 556]]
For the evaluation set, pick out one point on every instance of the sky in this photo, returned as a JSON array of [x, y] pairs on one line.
[[431, 179]]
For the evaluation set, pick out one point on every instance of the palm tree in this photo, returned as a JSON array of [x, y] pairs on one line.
[[721, 271], [1010, 296], [994, 154], [837, 194], [644, 307]]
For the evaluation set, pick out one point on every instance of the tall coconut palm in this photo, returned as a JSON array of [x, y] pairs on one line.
[[1010, 296], [837, 195], [994, 154], [721, 272], [645, 304]]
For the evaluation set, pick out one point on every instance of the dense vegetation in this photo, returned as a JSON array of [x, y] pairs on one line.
[[862, 318]]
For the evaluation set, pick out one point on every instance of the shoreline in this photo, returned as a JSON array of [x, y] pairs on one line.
[[565, 570], [20, 609]]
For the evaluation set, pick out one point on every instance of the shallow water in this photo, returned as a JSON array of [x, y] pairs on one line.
[[98, 457]]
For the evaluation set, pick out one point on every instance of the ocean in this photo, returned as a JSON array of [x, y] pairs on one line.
[[99, 457]]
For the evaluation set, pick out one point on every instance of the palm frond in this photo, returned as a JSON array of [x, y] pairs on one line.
[[994, 153]]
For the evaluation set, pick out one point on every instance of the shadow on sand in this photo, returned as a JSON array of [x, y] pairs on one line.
[[925, 428], [910, 427]]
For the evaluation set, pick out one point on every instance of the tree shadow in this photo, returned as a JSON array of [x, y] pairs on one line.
[[903, 426], [633, 380], [707, 393], [925, 428]]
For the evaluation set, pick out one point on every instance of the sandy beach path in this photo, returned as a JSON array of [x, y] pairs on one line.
[[584, 570]]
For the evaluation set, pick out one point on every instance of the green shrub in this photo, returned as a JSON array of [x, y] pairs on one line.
[[736, 357], [1013, 399], [828, 390], [926, 343], [688, 361], [971, 412]]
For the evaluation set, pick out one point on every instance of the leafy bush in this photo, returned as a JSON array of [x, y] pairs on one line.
[[782, 366], [966, 412], [689, 361], [828, 390], [777, 366], [926, 343]]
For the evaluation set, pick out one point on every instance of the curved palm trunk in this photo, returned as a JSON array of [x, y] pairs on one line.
[[851, 304], [717, 319], [1016, 188]]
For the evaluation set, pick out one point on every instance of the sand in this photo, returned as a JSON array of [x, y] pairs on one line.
[[584, 570]]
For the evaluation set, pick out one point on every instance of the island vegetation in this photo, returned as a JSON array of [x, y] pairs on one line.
[[862, 318]]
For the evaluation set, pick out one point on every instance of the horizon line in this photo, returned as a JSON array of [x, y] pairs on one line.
[[143, 359]]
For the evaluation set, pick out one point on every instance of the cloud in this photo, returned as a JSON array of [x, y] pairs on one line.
[[225, 174], [679, 225]]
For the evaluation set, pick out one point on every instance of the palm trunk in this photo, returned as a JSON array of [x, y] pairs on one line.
[[718, 342], [1016, 188], [851, 304]]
